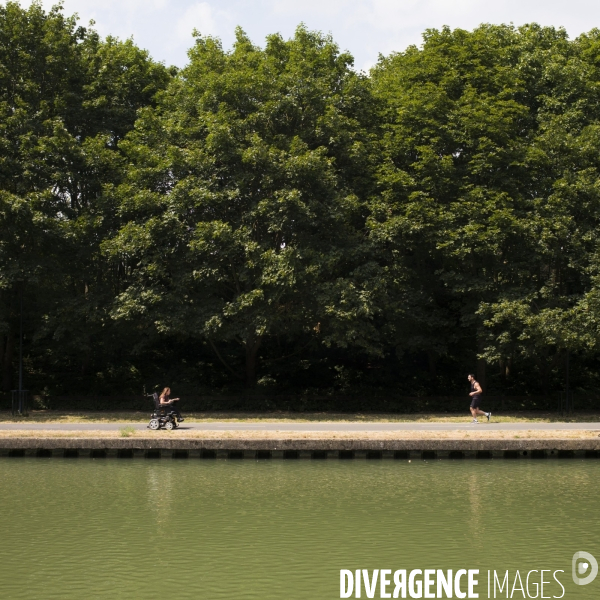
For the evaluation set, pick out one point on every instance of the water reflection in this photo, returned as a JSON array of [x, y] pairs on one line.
[[280, 529], [160, 492], [475, 509]]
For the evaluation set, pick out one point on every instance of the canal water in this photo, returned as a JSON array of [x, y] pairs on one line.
[[273, 529]]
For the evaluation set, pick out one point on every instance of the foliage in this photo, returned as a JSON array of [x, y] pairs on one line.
[[244, 205], [64, 104], [269, 217], [490, 184]]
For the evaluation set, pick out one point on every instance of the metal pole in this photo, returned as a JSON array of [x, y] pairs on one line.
[[568, 407], [20, 399], [21, 347]]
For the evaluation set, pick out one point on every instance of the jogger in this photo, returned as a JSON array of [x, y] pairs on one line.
[[475, 394]]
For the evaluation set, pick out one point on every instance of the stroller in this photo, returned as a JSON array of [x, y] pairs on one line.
[[163, 415]]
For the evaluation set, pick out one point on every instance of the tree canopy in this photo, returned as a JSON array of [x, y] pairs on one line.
[[269, 218], [244, 202]]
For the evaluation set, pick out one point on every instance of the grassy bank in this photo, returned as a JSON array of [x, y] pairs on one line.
[[289, 417], [295, 435]]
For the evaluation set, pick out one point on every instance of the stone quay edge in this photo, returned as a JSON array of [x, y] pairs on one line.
[[283, 444]]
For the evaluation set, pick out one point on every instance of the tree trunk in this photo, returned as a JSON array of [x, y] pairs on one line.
[[546, 381], [252, 346], [481, 372], [86, 359], [544, 368], [431, 359], [7, 363], [481, 364]]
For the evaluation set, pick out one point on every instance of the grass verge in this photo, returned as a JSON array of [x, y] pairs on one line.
[[288, 417], [316, 435]]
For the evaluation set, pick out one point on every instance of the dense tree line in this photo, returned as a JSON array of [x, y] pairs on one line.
[[269, 218]]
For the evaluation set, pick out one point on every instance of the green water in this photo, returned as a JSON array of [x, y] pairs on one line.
[[273, 529]]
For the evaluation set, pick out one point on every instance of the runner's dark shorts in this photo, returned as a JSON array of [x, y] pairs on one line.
[[475, 400]]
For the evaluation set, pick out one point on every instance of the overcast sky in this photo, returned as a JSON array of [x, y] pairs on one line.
[[364, 27]]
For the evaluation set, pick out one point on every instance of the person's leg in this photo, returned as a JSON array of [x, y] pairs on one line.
[[473, 412], [483, 413]]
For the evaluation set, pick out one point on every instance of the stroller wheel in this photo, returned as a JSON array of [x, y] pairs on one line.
[[154, 424], [169, 425]]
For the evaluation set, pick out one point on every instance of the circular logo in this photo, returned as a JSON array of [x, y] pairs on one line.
[[584, 562]]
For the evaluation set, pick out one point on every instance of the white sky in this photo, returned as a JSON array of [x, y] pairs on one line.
[[364, 27]]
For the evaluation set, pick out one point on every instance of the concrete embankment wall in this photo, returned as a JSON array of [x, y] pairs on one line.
[[299, 448]]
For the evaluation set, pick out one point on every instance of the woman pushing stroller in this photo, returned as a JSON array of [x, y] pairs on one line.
[[165, 400]]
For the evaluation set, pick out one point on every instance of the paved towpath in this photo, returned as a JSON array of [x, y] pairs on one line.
[[310, 426]]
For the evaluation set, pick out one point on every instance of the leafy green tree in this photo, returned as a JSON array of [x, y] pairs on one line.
[[243, 212], [66, 98], [38, 71], [544, 313], [119, 80], [273, 209], [488, 183]]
